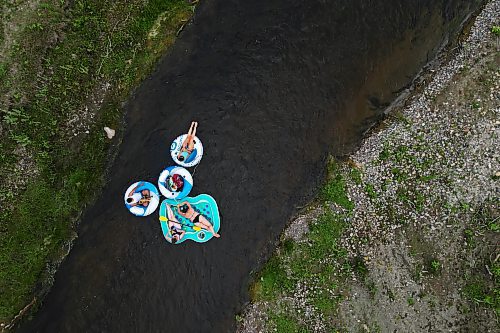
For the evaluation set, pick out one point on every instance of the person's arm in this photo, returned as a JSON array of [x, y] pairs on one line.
[[183, 232], [191, 144], [135, 188]]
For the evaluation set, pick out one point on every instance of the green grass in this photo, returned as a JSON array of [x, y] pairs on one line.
[[356, 175], [481, 292], [320, 262], [286, 324], [435, 267], [301, 263], [273, 280], [370, 191], [360, 268], [335, 188], [98, 42], [482, 285]]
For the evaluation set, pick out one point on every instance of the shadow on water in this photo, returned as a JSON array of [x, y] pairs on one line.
[[275, 86]]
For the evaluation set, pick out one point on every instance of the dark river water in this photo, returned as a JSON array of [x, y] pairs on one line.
[[276, 86]]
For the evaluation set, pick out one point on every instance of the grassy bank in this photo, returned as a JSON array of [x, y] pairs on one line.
[[66, 67]]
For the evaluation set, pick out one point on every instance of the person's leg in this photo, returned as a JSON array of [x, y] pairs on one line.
[[146, 198], [194, 128], [205, 224], [191, 139], [190, 132], [186, 145], [170, 214]]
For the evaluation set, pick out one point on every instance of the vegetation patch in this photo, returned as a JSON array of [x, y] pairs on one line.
[[286, 324], [63, 78], [313, 271], [335, 188], [482, 282]]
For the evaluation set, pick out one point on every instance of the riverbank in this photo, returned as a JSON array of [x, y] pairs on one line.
[[65, 70], [405, 233]]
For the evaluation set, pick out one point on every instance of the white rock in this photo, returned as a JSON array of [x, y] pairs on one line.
[[109, 132]]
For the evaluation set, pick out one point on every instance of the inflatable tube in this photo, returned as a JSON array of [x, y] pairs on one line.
[[192, 159], [172, 221], [166, 182], [141, 198]]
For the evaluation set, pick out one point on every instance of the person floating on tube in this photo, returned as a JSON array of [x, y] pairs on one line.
[[174, 183], [174, 227], [187, 148], [139, 196], [196, 218]]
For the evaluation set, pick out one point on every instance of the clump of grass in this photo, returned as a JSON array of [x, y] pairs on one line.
[[495, 30], [469, 237], [320, 262], [356, 175], [283, 323], [335, 188], [435, 267], [385, 153], [475, 105], [273, 280], [372, 288], [370, 191], [480, 293]]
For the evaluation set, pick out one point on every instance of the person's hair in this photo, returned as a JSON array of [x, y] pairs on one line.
[[184, 208], [174, 240], [178, 181]]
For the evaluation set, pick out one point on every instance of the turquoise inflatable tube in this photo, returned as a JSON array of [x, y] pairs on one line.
[[203, 204]]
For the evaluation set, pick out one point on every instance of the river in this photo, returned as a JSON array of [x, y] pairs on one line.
[[276, 86]]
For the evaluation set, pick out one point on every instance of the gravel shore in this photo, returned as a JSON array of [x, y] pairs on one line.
[[426, 204]]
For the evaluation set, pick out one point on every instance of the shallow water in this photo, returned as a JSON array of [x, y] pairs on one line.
[[276, 86]]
